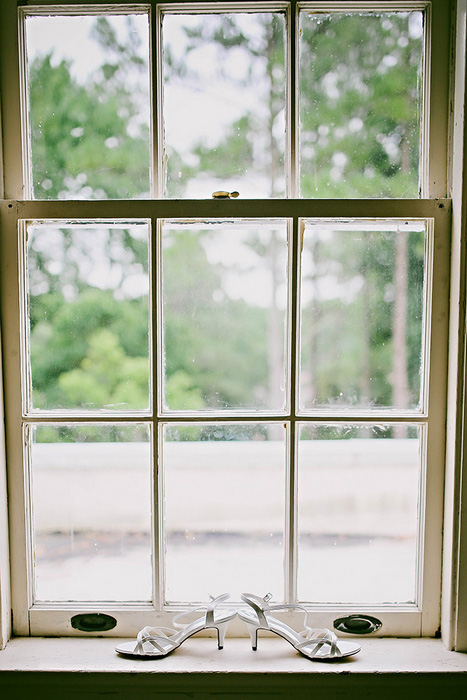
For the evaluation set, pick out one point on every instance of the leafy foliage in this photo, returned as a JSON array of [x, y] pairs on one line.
[[359, 124], [360, 105], [87, 140]]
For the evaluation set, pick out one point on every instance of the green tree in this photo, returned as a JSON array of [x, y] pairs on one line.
[[215, 341], [359, 113], [87, 140], [260, 47], [360, 104], [62, 341], [106, 377]]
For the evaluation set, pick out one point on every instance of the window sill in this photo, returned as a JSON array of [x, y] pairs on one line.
[[89, 667]]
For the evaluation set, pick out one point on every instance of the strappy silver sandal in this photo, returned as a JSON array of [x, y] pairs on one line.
[[160, 641], [315, 644]]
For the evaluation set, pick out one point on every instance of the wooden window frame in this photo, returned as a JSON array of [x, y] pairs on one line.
[[435, 206]]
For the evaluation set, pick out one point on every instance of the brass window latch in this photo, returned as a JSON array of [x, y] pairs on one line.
[[221, 194]]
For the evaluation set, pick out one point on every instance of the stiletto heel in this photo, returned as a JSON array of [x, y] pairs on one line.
[[315, 644], [253, 632], [221, 630], [160, 641]]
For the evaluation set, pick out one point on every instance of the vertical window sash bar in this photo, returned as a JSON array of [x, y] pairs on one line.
[[30, 534], [158, 369], [26, 379], [422, 513], [157, 496], [158, 175], [26, 383], [292, 146], [24, 126], [430, 232], [424, 176], [436, 97], [290, 559], [157, 522], [436, 299], [18, 536], [291, 490]]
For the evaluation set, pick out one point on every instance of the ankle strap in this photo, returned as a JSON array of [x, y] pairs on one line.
[[260, 606], [209, 608]]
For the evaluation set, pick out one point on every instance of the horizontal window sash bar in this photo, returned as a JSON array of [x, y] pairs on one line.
[[119, 607], [50, 8], [91, 417], [379, 416], [185, 5], [213, 7], [318, 417], [362, 6], [222, 209]]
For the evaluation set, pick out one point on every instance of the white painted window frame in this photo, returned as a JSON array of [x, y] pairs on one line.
[[454, 580], [55, 619]]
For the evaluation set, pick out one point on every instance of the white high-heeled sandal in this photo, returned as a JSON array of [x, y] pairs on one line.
[[315, 644], [160, 641]]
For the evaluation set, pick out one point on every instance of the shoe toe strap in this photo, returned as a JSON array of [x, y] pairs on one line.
[[316, 639], [158, 637]]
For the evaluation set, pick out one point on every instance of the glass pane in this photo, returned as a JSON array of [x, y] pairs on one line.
[[91, 490], [362, 314], [224, 509], [358, 489], [224, 103], [89, 109], [360, 111], [225, 307], [88, 291]]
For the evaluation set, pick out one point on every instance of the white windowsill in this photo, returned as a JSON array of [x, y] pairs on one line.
[[378, 655], [88, 669]]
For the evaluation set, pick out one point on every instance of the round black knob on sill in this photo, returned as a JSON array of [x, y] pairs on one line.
[[357, 624], [93, 622]]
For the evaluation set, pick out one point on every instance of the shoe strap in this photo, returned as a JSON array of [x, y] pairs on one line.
[[209, 608], [314, 638], [319, 638], [156, 636], [261, 606]]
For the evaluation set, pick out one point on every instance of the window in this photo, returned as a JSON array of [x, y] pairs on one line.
[[209, 394]]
